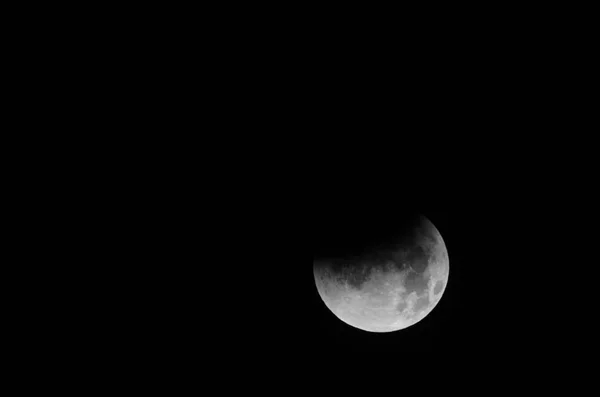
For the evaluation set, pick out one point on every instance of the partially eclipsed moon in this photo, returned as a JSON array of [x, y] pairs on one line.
[[393, 294]]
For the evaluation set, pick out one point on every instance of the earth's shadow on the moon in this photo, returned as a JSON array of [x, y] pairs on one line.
[[340, 235]]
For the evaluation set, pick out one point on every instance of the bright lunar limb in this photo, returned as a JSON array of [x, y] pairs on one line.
[[394, 291]]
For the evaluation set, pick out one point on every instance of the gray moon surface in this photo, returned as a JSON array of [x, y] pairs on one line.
[[394, 295]]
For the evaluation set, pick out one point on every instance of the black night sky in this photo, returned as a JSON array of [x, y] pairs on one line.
[[194, 215]]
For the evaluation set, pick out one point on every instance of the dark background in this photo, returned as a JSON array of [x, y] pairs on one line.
[[231, 172]]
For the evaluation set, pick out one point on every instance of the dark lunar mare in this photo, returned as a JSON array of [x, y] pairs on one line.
[[416, 261], [421, 304], [438, 287]]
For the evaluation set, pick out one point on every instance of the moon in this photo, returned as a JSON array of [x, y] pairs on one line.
[[389, 288]]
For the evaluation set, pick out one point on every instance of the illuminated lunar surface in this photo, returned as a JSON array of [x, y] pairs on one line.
[[395, 295]]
